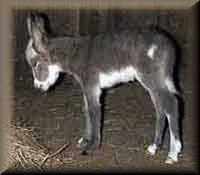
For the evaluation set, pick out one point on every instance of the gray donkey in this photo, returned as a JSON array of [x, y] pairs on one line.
[[102, 61]]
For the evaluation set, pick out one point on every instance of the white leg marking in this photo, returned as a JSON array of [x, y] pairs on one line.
[[152, 149], [151, 51], [170, 85], [97, 91], [80, 140], [175, 146]]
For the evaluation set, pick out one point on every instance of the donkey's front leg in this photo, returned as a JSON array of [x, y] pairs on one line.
[[92, 135]]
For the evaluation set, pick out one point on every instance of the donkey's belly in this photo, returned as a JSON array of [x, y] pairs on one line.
[[114, 77]]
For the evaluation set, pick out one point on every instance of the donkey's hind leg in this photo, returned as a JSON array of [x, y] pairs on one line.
[[172, 113], [162, 92], [160, 122], [166, 104]]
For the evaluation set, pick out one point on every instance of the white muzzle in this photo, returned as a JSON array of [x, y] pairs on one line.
[[54, 71]]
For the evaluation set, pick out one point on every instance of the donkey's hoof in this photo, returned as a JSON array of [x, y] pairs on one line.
[[170, 160], [151, 150], [173, 156], [82, 143], [85, 145]]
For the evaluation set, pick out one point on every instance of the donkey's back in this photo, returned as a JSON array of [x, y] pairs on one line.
[[145, 54]]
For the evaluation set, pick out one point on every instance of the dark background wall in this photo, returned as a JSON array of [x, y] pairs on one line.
[[80, 22]]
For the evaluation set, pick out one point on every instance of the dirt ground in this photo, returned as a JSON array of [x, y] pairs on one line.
[[129, 116]]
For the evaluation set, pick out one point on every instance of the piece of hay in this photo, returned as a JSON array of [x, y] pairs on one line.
[[25, 151]]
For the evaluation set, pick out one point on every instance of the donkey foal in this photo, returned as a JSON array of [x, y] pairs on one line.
[[104, 61]]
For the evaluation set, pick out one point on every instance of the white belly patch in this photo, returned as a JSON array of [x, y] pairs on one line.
[[119, 76]]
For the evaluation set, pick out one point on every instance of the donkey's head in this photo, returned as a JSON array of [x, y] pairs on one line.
[[45, 71]]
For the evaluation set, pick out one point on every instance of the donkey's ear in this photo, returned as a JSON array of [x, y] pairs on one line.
[[36, 30]]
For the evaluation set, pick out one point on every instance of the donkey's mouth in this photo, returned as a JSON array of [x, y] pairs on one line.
[[42, 86], [45, 88], [45, 85]]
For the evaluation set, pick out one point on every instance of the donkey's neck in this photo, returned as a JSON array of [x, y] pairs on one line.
[[71, 53]]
